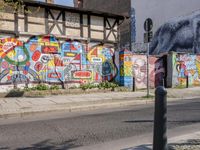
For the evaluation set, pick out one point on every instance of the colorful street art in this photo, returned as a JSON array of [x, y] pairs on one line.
[[125, 65], [134, 67], [140, 71], [186, 65], [45, 59], [156, 71]]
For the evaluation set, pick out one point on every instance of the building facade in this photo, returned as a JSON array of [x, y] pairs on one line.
[[120, 7]]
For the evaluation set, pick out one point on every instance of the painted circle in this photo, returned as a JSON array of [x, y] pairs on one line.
[[33, 47], [38, 66], [36, 55], [20, 57], [4, 65], [25, 72]]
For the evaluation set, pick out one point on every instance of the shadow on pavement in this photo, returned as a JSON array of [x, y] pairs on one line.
[[48, 145], [149, 121], [141, 147]]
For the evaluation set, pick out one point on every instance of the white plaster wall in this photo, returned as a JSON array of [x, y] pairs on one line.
[[160, 11]]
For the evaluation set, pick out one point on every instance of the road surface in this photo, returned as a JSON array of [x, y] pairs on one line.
[[72, 130]]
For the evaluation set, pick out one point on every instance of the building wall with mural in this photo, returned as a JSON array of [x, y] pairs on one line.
[[160, 12], [43, 59]]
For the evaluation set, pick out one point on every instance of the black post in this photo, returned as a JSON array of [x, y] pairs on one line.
[[160, 119], [187, 81], [133, 84]]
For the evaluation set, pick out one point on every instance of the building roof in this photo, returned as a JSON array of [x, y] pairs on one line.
[[72, 9]]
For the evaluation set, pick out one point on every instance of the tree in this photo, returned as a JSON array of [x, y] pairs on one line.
[[14, 5]]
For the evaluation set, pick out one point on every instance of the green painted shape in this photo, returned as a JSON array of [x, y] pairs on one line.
[[13, 62]]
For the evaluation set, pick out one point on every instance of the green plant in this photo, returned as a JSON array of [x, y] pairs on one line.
[[54, 87], [39, 87], [42, 87], [107, 85], [87, 86]]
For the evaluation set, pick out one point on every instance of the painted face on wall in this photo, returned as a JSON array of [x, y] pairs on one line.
[[139, 70]]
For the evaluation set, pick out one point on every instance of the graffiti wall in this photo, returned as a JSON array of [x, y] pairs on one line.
[[45, 59], [186, 65], [180, 34], [156, 71], [139, 67], [133, 68]]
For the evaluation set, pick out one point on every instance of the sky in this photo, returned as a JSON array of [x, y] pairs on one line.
[[63, 2]]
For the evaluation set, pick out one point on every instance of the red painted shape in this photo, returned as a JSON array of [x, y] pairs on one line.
[[78, 57], [54, 75], [38, 66], [49, 49], [33, 47], [25, 72], [96, 77], [4, 65], [9, 78], [82, 74], [72, 47], [94, 53], [36, 55], [58, 62]]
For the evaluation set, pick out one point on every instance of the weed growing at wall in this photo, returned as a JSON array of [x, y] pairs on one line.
[[54, 87], [107, 85], [102, 85]]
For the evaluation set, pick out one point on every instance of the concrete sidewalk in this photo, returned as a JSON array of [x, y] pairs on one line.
[[26, 105]]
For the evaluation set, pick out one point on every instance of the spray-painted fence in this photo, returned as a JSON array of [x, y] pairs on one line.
[[45, 59]]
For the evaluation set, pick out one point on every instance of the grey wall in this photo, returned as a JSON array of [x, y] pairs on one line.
[[160, 11], [121, 7]]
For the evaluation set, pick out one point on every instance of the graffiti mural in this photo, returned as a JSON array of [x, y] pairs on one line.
[[134, 67], [125, 65], [180, 35], [140, 71], [45, 59], [187, 65], [101, 60]]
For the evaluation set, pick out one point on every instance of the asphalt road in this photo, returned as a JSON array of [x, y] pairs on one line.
[[70, 130]]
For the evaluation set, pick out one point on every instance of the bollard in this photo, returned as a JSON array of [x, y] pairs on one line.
[[187, 81], [133, 85], [160, 119]]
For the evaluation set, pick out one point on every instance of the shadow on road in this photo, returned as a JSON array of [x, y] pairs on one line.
[[150, 121], [48, 145], [141, 147]]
